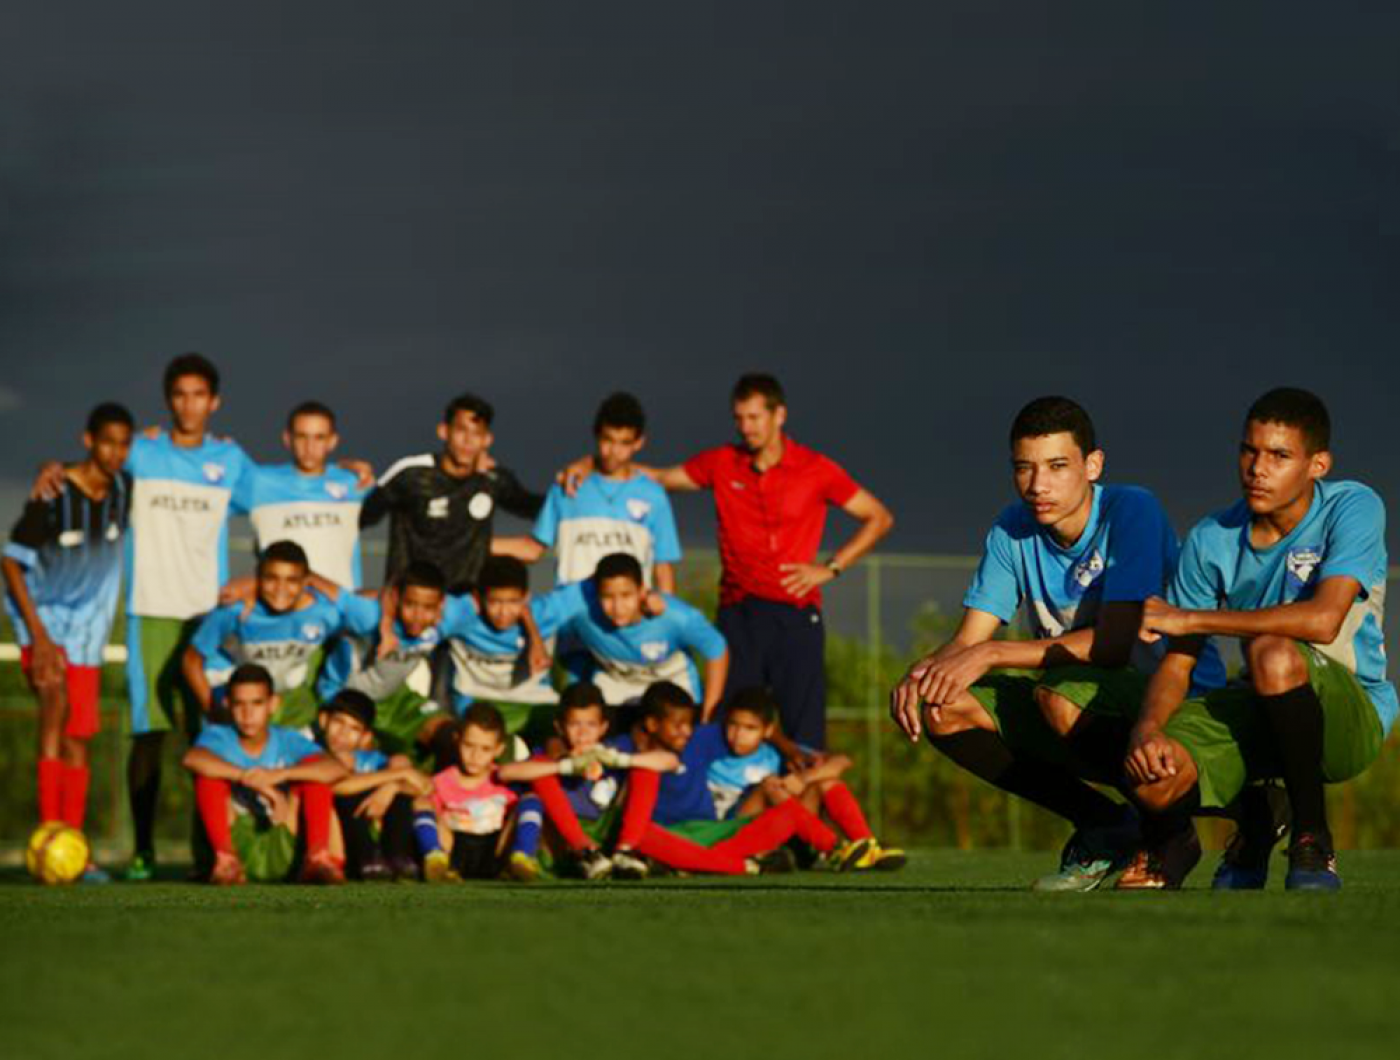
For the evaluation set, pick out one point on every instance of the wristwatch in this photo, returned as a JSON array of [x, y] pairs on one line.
[[835, 568]]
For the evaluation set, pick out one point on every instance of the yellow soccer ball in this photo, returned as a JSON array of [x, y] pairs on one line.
[[57, 853]]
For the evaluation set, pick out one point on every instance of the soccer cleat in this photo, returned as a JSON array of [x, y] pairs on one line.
[[882, 859], [775, 862], [523, 867], [593, 864], [227, 871], [1244, 866], [627, 865], [1312, 865], [848, 855], [1165, 867], [405, 868], [142, 868], [1093, 854], [322, 870], [437, 868], [94, 874], [376, 870]]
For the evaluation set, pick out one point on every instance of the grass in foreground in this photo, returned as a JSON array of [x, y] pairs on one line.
[[952, 957]]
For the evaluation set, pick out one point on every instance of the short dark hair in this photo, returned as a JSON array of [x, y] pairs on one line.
[[1055, 415], [423, 575], [581, 695], [484, 716], [1293, 407], [109, 412], [762, 385], [250, 674], [618, 565], [310, 408], [477, 406], [284, 552], [620, 410], [503, 572], [354, 704], [191, 364], [759, 701], [663, 696]]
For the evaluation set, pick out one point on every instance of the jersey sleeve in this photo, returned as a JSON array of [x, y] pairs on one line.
[[709, 744], [663, 530], [1356, 540], [1194, 585], [244, 483], [514, 497], [554, 609], [219, 740], [546, 529], [694, 629], [702, 467], [837, 485], [359, 613], [996, 587], [209, 638], [298, 746], [458, 613], [1135, 567], [30, 534]]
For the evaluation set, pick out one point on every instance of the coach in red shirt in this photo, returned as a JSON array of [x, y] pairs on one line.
[[771, 498]]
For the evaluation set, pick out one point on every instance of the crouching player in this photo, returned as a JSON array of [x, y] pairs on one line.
[[374, 801], [1297, 571], [750, 779], [257, 785]]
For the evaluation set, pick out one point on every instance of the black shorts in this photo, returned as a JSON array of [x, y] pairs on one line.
[[474, 857]]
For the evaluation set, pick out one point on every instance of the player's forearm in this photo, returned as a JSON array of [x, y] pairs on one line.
[[524, 772], [204, 763], [192, 667], [672, 478], [1166, 691], [1308, 620], [525, 549], [664, 575], [1038, 654], [322, 770], [656, 761], [355, 783], [24, 603], [872, 528], [716, 673]]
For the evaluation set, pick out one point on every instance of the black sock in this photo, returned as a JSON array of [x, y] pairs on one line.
[[1100, 744], [1295, 717], [396, 830], [143, 787], [359, 844], [1159, 826], [1051, 787]]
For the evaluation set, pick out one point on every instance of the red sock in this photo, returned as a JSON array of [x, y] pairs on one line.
[[211, 796], [643, 785], [50, 789], [561, 813], [768, 831], [841, 807], [75, 792], [810, 829], [317, 805], [680, 853]]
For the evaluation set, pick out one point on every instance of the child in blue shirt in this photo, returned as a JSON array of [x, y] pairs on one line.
[[285, 631]]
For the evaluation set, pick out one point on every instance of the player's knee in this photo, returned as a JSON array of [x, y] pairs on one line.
[[1159, 796], [839, 762], [1059, 713], [1276, 664]]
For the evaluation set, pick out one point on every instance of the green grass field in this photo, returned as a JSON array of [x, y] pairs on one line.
[[950, 958]]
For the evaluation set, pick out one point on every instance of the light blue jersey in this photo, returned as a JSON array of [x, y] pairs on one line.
[[1341, 536], [321, 513], [606, 516], [380, 677], [629, 658], [493, 664], [730, 777], [284, 747], [177, 550], [1126, 553], [287, 645], [370, 761]]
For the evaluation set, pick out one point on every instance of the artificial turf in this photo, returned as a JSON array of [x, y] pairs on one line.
[[950, 958]]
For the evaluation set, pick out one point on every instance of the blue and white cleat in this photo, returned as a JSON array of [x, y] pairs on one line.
[[95, 874], [1094, 854], [1312, 865], [1244, 866]]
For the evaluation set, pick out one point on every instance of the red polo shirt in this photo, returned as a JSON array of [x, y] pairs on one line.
[[770, 518]]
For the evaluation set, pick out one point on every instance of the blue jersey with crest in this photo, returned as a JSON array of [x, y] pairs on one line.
[[629, 658], [731, 776], [1126, 553], [181, 498], [288, 645], [1342, 535], [493, 664], [284, 747], [685, 794], [71, 552], [605, 516], [321, 513]]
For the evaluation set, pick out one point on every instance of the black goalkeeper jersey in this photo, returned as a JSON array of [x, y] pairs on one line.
[[441, 519]]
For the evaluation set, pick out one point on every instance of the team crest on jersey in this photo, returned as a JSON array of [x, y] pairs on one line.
[[113, 532], [653, 650], [1302, 564], [437, 508], [213, 472], [70, 539], [311, 631], [337, 490], [1088, 569], [479, 507], [638, 509]]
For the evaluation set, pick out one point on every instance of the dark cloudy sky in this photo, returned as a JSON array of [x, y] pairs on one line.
[[918, 214]]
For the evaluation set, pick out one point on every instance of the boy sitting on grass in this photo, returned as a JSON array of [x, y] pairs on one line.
[[255, 783], [284, 631], [374, 801], [750, 779]]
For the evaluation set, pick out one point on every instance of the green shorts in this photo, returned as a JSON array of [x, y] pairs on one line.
[[155, 685], [1009, 697], [267, 853], [532, 722], [399, 718], [707, 833], [1228, 737], [297, 706]]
